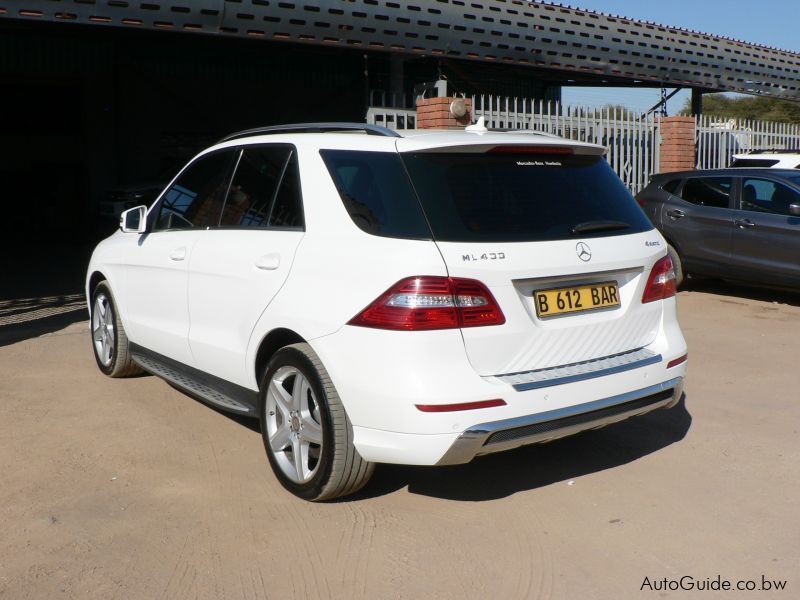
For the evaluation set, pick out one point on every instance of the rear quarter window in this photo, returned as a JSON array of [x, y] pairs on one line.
[[376, 192], [671, 186]]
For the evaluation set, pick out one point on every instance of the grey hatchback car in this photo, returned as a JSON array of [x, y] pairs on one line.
[[741, 224]]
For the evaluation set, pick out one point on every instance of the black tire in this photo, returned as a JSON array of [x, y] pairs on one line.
[[338, 469], [119, 364], [677, 264]]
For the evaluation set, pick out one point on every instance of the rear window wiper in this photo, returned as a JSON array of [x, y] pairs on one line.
[[591, 226]]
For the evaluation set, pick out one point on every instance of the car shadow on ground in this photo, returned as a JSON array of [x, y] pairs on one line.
[[733, 289], [530, 467], [25, 318], [41, 290]]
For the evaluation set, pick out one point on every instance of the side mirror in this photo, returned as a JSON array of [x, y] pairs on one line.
[[794, 209], [134, 220]]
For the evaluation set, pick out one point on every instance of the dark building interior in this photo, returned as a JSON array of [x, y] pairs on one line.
[[89, 109], [85, 111]]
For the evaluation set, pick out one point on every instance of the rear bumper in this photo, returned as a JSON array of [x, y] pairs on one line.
[[497, 436], [381, 376]]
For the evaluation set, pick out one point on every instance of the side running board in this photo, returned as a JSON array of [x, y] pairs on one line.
[[207, 388]]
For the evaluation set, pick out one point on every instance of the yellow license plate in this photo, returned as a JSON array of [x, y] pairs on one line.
[[560, 301]]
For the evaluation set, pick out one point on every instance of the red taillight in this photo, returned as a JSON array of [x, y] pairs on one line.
[[677, 361], [661, 283], [530, 150], [432, 302], [460, 406], [640, 201]]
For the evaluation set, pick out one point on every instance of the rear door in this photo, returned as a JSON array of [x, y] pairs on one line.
[[532, 222], [654, 195], [237, 268], [699, 221], [766, 236]]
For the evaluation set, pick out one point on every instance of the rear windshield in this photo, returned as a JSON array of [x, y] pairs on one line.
[[754, 162], [521, 198]]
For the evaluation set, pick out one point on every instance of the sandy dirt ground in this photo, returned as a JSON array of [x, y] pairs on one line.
[[131, 489]]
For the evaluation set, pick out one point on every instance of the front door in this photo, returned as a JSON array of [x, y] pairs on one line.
[[157, 270], [766, 237]]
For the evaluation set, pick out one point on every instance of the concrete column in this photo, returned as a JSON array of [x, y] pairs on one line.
[[677, 144]]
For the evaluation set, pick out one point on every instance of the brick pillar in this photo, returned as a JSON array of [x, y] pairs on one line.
[[677, 144], [434, 113]]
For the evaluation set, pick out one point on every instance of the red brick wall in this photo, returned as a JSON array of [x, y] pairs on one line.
[[434, 113], [677, 144]]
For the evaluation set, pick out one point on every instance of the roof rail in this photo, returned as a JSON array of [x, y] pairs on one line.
[[312, 128]]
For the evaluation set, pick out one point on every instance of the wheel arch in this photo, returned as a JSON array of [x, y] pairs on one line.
[[672, 243], [270, 344], [91, 283], [94, 279]]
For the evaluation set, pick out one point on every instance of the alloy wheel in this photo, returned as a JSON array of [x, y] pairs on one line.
[[103, 329], [294, 429]]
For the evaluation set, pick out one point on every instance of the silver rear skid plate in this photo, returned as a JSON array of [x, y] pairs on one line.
[[544, 427]]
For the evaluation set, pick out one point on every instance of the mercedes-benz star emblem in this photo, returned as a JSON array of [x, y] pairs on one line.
[[584, 252]]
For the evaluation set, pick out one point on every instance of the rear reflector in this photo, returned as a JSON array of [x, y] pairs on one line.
[[661, 283], [461, 406], [530, 150], [432, 302], [675, 362]]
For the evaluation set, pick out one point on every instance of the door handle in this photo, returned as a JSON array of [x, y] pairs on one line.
[[178, 254], [269, 262], [675, 213], [744, 223]]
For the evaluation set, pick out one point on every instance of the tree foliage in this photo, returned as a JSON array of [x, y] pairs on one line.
[[747, 107]]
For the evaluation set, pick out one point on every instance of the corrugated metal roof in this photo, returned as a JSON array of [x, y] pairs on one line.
[[547, 36]]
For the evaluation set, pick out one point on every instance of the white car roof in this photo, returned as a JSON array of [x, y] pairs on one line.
[[415, 140]]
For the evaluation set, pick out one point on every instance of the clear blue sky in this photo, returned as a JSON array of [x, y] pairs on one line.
[[769, 22]]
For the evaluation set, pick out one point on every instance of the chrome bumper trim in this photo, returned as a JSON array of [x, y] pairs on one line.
[[542, 427], [600, 367]]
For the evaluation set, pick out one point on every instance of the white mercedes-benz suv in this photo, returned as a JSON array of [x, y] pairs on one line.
[[376, 298]]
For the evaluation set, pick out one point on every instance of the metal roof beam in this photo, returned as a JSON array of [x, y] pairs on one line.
[[546, 36]]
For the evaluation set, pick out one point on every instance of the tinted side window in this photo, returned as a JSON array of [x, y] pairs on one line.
[[708, 191], [195, 199], [254, 186], [377, 194], [762, 195], [287, 210], [671, 186]]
